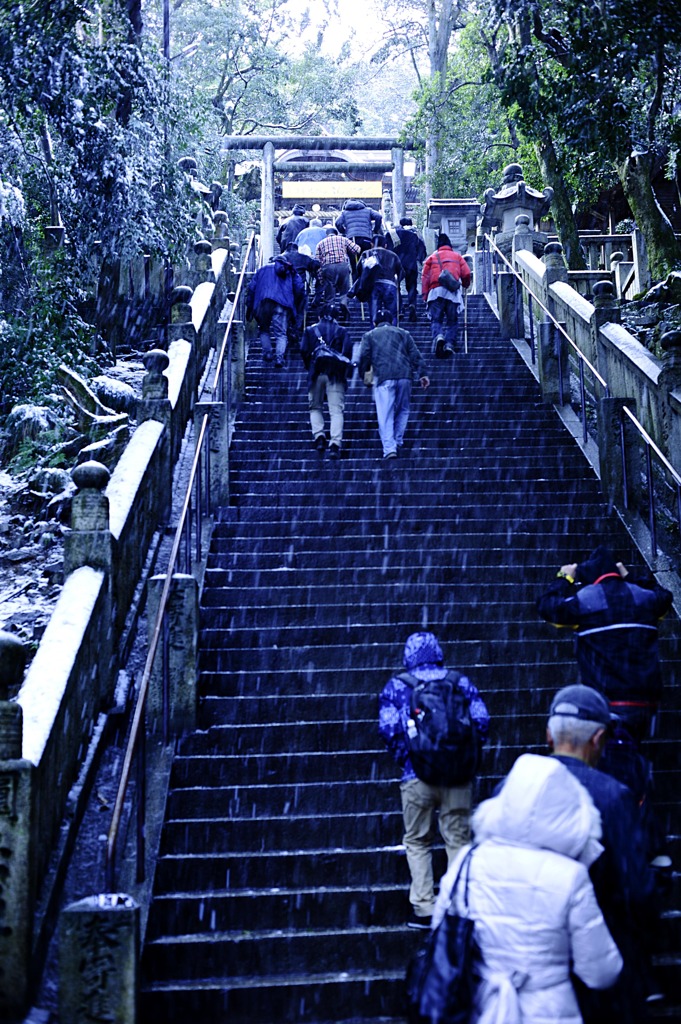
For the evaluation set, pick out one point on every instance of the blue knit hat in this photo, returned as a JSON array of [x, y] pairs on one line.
[[422, 649]]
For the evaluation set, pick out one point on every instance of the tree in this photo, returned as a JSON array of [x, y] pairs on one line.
[[478, 135], [84, 130], [604, 79], [427, 26], [523, 95]]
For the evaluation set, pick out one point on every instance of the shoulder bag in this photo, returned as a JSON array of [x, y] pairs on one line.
[[443, 976]]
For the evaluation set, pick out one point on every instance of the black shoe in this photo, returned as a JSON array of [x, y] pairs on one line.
[[320, 442], [422, 923], [390, 455], [449, 350], [440, 347], [412, 316], [279, 364], [334, 451]]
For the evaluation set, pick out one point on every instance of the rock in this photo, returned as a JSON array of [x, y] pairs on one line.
[[49, 481], [115, 394], [60, 506], [21, 554], [27, 422], [668, 291]]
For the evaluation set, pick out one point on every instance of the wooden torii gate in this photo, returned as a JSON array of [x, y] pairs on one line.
[[268, 144]]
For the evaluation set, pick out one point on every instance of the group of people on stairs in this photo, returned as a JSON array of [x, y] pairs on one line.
[[567, 864]]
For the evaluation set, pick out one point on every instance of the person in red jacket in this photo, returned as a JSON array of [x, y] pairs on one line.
[[445, 273]]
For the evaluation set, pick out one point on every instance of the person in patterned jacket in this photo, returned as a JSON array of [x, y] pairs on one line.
[[423, 658]]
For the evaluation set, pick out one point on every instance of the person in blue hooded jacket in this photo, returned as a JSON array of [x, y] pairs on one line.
[[423, 658], [276, 296]]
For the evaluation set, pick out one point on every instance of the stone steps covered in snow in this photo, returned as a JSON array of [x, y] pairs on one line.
[[281, 889]]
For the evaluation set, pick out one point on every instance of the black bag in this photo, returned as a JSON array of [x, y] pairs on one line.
[[446, 279], [443, 742], [443, 976], [328, 360]]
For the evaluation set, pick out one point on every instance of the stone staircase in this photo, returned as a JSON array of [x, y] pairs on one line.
[[281, 888]]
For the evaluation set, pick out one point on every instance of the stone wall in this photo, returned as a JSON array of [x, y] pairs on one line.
[[72, 677], [648, 384]]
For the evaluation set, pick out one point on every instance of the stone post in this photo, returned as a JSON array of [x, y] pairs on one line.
[[155, 405], [182, 613], [221, 236], [556, 267], [506, 300], [669, 383], [612, 467], [98, 960], [202, 262], [606, 311], [267, 204], [523, 238], [90, 541], [552, 362], [238, 362], [17, 895], [181, 324], [397, 155], [217, 446]]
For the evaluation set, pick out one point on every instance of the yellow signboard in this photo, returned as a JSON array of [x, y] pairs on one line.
[[331, 189]]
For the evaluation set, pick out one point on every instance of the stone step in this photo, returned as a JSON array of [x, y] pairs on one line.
[[310, 998], [239, 835], [260, 953], [216, 636], [181, 913], [546, 677], [468, 654], [289, 869]]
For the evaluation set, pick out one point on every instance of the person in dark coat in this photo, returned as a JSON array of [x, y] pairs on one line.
[[379, 281], [622, 877], [359, 223], [615, 615], [330, 384], [411, 251], [275, 298], [291, 227]]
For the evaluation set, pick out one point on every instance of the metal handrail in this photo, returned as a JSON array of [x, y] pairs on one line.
[[135, 738], [550, 316], [651, 446]]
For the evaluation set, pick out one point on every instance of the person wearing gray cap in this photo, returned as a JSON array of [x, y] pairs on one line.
[[622, 878]]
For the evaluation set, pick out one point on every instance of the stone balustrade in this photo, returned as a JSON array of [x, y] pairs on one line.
[[70, 684]]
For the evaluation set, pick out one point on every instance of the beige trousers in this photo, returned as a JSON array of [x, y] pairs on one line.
[[419, 804]]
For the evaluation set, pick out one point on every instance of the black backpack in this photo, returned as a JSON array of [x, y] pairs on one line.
[[326, 359], [441, 735]]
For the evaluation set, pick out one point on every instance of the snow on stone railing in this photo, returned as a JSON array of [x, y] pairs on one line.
[[73, 674], [651, 387]]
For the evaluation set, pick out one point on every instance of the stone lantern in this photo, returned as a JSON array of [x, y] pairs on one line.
[[515, 198]]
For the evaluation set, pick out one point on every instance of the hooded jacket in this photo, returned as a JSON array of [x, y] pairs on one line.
[[616, 620], [279, 282], [424, 659], [358, 220], [529, 893]]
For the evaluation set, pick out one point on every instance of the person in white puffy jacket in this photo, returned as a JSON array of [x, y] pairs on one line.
[[529, 893]]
